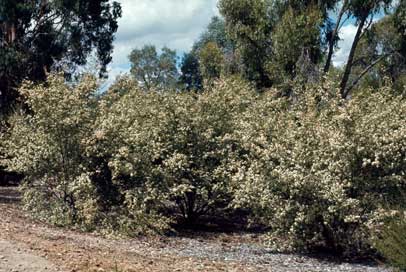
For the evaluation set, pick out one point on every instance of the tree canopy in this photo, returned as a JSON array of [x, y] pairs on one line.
[[283, 41], [154, 70], [37, 36], [381, 56], [191, 66]]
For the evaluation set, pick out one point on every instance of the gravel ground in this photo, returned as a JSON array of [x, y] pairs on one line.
[[264, 259], [29, 246]]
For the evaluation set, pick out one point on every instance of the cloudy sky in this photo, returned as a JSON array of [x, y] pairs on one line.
[[173, 23], [176, 24]]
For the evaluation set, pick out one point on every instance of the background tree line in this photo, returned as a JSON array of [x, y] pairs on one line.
[[283, 43], [40, 36], [273, 43]]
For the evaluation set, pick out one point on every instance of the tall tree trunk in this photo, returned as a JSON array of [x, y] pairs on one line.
[[10, 32], [348, 67], [366, 70], [331, 42]]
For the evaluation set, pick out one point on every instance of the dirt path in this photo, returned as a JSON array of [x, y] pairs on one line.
[[26, 242], [14, 258]]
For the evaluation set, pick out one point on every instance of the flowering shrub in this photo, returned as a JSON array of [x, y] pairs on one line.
[[169, 152], [46, 146], [318, 170]]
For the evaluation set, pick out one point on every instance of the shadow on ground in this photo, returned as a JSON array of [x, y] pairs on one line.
[[9, 194]]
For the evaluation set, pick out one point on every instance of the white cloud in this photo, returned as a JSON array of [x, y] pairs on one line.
[[347, 35], [174, 23]]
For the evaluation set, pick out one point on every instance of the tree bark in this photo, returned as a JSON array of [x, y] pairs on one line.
[[9, 30], [12, 33], [366, 70], [348, 67], [333, 36]]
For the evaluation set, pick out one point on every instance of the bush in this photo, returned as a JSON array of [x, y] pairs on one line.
[[318, 172], [392, 242], [169, 152], [129, 160], [46, 145]]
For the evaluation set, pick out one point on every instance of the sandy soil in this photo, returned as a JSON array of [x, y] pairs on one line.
[[30, 246], [14, 258]]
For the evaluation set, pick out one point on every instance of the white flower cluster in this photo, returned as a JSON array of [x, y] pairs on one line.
[[46, 145], [316, 168], [317, 172]]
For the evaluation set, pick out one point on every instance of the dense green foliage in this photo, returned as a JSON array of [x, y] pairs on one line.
[[317, 170], [298, 61], [211, 55], [392, 243], [154, 70], [277, 43], [385, 44], [191, 77], [39, 36], [211, 61]]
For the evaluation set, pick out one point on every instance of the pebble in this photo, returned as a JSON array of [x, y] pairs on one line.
[[263, 258]]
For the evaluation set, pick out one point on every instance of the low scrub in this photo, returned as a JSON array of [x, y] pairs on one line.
[[128, 160], [46, 145], [316, 169], [320, 171], [391, 242]]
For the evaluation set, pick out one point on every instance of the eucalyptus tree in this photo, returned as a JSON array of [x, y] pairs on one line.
[[363, 11], [249, 24], [37, 35], [211, 61], [191, 77], [214, 36], [381, 56], [154, 70], [273, 35]]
